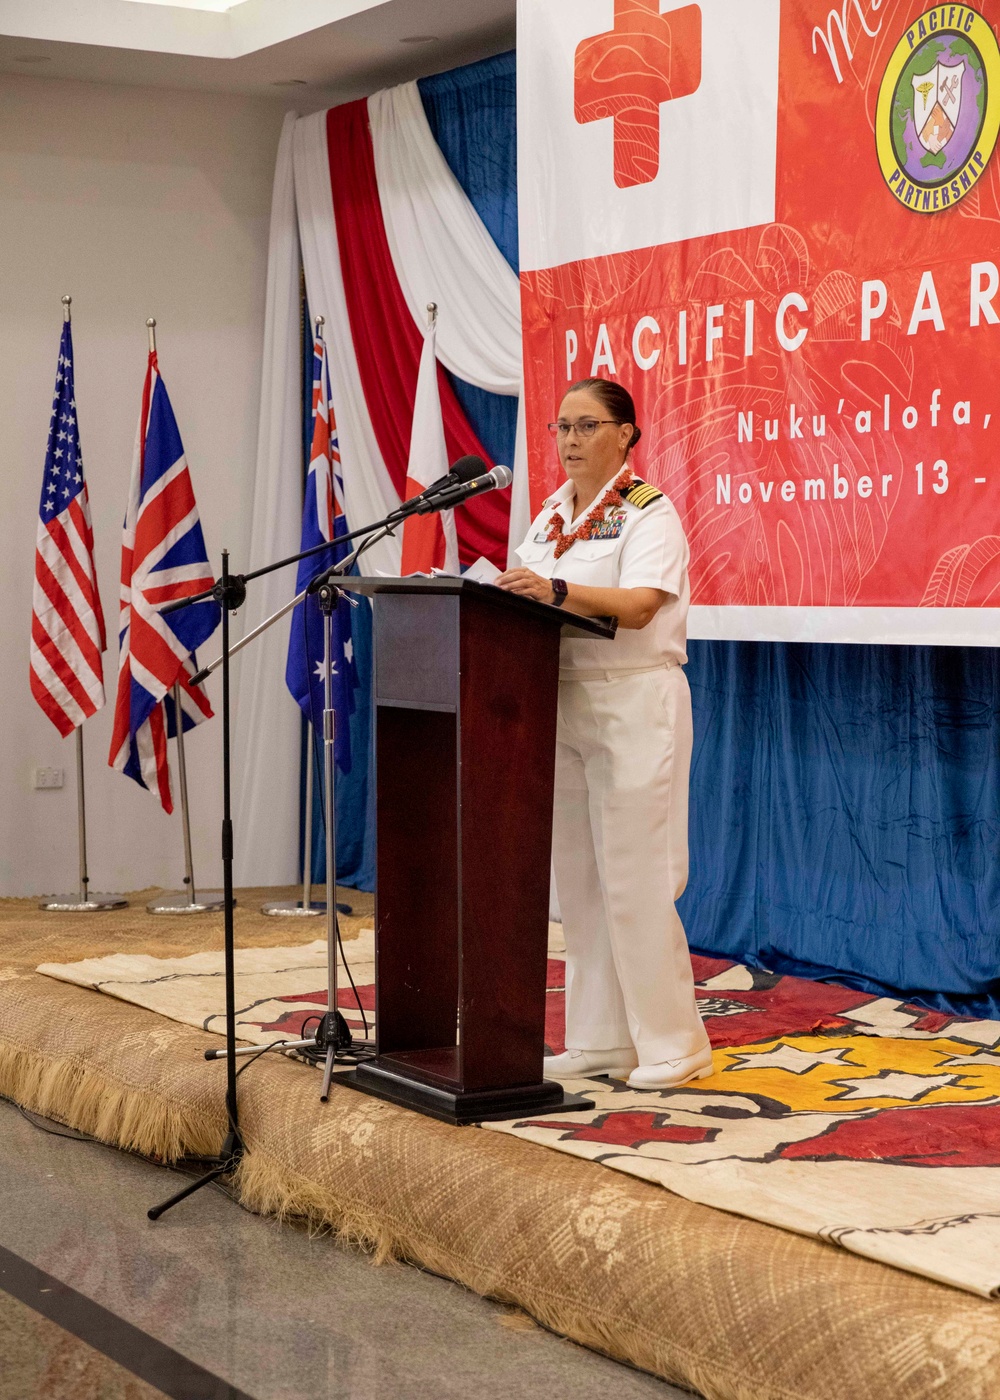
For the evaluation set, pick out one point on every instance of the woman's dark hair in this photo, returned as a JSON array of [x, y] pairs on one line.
[[617, 401]]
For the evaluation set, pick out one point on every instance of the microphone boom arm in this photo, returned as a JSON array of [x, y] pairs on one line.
[[437, 497], [457, 477], [313, 586]]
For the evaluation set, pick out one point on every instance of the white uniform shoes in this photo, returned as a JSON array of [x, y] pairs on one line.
[[582, 1064], [672, 1073], [585, 1064]]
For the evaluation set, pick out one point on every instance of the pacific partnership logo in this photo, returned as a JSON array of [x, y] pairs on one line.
[[938, 113]]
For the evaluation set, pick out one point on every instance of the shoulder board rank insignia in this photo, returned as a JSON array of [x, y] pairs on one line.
[[641, 494]]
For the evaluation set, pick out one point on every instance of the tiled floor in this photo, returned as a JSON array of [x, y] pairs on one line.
[[40, 1359], [213, 1302]]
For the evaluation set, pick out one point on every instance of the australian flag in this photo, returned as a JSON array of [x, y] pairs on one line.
[[323, 519], [163, 558]]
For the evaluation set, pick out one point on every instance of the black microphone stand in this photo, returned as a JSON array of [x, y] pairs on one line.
[[230, 591]]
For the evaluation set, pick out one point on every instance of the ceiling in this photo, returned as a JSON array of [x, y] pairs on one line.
[[304, 53]]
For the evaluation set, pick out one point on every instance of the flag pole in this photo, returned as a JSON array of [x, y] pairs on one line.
[[81, 815], [185, 901], [185, 809], [304, 907], [81, 801], [307, 842], [85, 902]]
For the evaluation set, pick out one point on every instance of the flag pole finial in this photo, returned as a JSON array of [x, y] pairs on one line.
[[67, 302], [151, 327], [320, 323], [432, 312]]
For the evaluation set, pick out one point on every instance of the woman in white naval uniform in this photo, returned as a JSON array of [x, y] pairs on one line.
[[608, 544]]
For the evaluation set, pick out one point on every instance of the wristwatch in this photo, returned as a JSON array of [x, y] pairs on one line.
[[560, 588]]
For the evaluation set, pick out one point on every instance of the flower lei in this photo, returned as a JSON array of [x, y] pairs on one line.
[[585, 530]]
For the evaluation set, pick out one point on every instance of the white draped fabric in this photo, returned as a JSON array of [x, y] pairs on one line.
[[443, 253], [368, 490], [266, 739]]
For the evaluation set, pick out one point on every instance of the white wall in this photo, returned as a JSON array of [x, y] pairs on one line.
[[138, 203]]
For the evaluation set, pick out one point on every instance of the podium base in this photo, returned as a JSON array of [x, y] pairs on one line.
[[73, 904], [462, 1108]]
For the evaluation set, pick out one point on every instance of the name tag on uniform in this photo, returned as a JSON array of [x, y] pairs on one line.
[[541, 538]]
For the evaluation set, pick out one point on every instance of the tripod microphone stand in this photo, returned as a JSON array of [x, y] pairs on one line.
[[332, 1033], [230, 592]]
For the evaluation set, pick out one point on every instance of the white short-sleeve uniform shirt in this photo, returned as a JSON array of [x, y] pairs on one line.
[[637, 547]]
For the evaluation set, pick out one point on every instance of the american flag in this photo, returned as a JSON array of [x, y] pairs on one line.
[[67, 624], [163, 558], [323, 519]]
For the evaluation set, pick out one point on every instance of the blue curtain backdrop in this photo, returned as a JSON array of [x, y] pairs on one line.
[[844, 815], [845, 819]]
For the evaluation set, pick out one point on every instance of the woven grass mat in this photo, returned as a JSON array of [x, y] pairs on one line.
[[29, 935], [728, 1306]]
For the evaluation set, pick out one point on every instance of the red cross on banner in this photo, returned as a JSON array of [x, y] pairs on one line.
[[627, 74]]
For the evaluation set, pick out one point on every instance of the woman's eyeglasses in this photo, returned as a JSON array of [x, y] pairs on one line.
[[583, 427]]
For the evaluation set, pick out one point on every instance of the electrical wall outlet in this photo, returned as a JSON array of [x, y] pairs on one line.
[[50, 777]]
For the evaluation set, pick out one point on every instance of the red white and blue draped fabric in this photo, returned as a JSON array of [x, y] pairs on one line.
[[323, 518], [163, 558], [352, 278], [349, 186], [67, 623], [443, 253]]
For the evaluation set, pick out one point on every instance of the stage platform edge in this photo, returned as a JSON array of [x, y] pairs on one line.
[[732, 1308]]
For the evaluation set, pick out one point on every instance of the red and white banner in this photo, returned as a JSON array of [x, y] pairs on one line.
[[777, 222]]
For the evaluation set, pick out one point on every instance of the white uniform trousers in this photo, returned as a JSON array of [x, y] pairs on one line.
[[623, 756]]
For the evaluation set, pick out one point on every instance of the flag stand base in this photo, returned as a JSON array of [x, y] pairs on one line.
[[75, 904], [295, 909], [205, 902]]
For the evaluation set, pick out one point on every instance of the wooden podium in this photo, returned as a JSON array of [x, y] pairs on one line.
[[465, 697]]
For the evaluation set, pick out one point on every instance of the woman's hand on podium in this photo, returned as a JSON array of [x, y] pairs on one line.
[[633, 607], [528, 584]]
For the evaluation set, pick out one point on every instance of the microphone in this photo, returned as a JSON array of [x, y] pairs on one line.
[[451, 496], [459, 472], [465, 469]]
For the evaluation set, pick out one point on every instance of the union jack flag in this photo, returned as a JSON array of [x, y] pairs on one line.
[[163, 558], [67, 623], [323, 519]]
